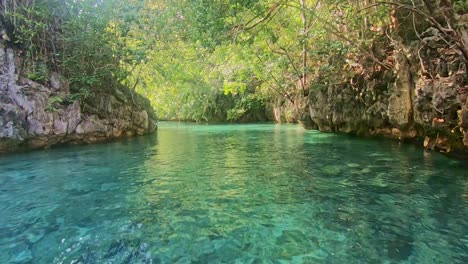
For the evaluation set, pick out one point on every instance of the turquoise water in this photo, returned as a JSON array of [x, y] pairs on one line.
[[234, 194]]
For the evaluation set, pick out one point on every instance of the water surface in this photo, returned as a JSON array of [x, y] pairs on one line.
[[234, 194]]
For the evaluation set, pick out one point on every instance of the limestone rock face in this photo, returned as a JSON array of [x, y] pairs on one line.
[[423, 94], [400, 108], [30, 118], [403, 104]]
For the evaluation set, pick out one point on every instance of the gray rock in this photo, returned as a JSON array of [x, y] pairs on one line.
[[403, 103], [29, 119]]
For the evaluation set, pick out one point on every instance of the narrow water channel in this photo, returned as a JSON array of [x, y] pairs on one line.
[[259, 193]]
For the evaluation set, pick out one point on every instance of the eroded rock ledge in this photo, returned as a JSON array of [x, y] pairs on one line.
[[31, 117], [424, 96]]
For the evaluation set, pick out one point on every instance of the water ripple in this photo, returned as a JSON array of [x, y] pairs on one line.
[[234, 194]]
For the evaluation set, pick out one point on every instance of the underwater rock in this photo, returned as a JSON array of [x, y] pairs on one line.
[[115, 248], [36, 236], [295, 236], [331, 170], [365, 171], [353, 165], [21, 254], [400, 249], [87, 257]]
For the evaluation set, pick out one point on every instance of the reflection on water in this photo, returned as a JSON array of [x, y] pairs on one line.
[[234, 194]]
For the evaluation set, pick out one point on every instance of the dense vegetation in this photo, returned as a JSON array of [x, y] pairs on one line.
[[204, 60]]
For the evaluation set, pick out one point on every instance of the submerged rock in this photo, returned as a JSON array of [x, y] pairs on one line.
[[400, 249], [21, 253], [115, 248], [331, 170], [294, 236], [353, 165]]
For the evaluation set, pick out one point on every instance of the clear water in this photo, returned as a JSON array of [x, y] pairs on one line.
[[234, 194]]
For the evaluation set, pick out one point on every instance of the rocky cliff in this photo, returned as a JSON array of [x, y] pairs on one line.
[[422, 95], [35, 116]]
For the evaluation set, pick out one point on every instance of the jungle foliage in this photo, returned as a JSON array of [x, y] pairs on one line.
[[201, 60]]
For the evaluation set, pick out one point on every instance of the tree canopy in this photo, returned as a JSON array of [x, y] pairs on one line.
[[202, 60]]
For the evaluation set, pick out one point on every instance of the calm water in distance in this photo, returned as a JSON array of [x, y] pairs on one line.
[[259, 193]]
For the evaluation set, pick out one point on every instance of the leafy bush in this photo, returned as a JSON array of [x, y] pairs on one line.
[[39, 73], [53, 101]]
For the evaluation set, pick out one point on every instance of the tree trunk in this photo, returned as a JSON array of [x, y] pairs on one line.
[[305, 90]]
